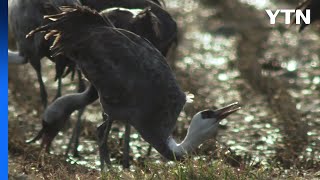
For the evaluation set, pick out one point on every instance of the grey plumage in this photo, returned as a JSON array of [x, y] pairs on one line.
[[26, 15], [139, 21], [133, 80], [167, 25], [57, 113], [144, 23]]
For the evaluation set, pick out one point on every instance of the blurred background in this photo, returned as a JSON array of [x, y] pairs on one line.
[[227, 52]]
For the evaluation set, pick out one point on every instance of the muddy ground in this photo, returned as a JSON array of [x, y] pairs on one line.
[[227, 52]]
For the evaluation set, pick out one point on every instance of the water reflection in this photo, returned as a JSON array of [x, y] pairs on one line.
[[259, 4]]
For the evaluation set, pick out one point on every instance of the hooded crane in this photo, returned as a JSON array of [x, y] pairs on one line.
[[314, 6], [167, 25], [143, 22], [58, 112], [163, 36], [24, 16], [133, 80], [160, 31]]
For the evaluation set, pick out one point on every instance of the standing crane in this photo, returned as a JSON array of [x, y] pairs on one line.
[[133, 80], [167, 25], [26, 15]]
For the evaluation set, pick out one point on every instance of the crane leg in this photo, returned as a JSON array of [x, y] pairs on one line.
[[70, 143], [81, 84], [59, 88], [77, 130], [149, 151], [75, 136], [60, 67], [126, 149], [103, 132], [43, 93], [81, 88]]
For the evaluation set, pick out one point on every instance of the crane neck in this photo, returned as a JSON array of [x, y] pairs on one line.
[[77, 101], [186, 146]]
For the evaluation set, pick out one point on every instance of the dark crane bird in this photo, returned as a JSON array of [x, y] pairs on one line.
[[167, 25], [164, 33], [314, 6], [58, 112], [163, 37], [140, 21], [26, 15], [154, 23], [133, 80]]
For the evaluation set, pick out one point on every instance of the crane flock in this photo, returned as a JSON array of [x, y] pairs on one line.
[[120, 47]]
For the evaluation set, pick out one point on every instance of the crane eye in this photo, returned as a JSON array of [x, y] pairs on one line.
[[206, 114]]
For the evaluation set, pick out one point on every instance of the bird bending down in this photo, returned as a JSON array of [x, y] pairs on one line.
[[153, 23], [141, 22], [133, 80], [58, 112], [145, 24]]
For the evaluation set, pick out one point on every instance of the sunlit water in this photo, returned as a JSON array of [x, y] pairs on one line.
[[259, 4], [211, 62]]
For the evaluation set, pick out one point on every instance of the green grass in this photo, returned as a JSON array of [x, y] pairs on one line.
[[204, 169], [192, 169]]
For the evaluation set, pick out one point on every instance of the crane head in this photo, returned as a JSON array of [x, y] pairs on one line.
[[53, 121], [204, 124], [47, 134]]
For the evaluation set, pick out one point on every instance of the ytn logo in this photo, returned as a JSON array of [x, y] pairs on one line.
[[287, 12]]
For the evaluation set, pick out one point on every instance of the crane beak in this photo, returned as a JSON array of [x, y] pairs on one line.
[[46, 140], [226, 111], [39, 135]]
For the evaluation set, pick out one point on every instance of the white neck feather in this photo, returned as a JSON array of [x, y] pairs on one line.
[[199, 130], [186, 146]]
